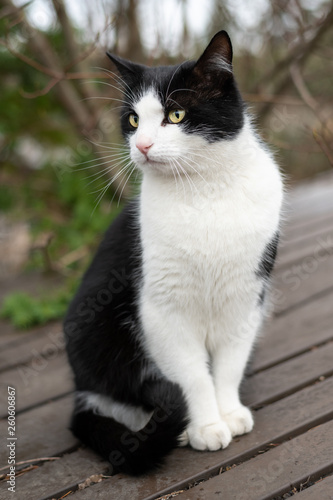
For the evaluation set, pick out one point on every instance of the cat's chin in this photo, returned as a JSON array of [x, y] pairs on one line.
[[150, 165]]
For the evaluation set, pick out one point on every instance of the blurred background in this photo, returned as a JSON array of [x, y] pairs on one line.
[[63, 168]]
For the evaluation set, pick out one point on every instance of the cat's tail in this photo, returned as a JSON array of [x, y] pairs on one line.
[[136, 452]]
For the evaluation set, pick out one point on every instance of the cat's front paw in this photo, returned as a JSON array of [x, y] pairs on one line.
[[183, 439], [209, 437], [239, 421]]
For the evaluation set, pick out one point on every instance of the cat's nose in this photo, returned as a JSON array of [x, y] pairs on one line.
[[144, 144]]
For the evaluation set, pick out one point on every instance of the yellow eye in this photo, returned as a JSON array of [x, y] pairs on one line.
[[176, 116], [134, 120]]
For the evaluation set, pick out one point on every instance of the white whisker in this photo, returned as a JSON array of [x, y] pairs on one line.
[[102, 97], [104, 189], [100, 161], [188, 162], [179, 90], [189, 179], [179, 176], [102, 173], [118, 78], [126, 181], [99, 198], [172, 77], [173, 172], [129, 96]]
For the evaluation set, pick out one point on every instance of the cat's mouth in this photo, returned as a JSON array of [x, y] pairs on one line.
[[148, 160]]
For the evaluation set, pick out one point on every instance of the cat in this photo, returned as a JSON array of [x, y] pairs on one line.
[[164, 321]]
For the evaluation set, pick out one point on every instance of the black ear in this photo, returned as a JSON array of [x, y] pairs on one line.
[[128, 70], [217, 57]]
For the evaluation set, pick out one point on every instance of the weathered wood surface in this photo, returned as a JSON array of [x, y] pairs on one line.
[[289, 387], [271, 474]]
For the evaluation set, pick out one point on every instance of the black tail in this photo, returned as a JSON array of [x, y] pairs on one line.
[[136, 452]]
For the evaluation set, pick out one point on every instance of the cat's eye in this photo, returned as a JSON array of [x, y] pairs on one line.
[[134, 120], [176, 116]]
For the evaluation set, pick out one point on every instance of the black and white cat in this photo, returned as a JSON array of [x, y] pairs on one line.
[[164, 321]]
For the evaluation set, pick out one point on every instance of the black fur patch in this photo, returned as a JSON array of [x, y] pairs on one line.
[[136, 452], [266, 266], [103, 349], [102, 331], [268, 258], [205, 89]]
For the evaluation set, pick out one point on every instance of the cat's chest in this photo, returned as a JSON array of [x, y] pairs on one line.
[[199, 237]]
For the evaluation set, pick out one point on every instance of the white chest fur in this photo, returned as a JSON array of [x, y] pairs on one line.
[[203, 240]]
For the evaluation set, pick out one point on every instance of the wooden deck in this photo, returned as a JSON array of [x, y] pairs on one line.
[[289, 387]]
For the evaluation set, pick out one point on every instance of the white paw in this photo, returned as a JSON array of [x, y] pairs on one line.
[[239, 421], [209, 437], [183, 439]]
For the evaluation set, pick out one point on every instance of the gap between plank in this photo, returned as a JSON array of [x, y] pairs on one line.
[[216, 470], [288, 358], [315, 296]]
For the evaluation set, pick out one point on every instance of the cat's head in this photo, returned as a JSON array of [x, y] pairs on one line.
[[171, 114]]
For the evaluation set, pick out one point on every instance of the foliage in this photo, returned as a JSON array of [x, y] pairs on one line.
[[25, 311]]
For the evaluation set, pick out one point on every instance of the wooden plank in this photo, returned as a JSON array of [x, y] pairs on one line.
[[313, 229], [43, 342], [42, 432], [41, 380], [311, 196], [303, 190], [10, 335], [294, 333], [302, 281], [288, 377], [306, 457], [273, 424], [318, 246], [293, 232], [51, 476], [318, 204], [323, 490]]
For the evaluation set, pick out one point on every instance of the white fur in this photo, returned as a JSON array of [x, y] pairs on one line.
[[218, 62], [133, 417], [207, 213]]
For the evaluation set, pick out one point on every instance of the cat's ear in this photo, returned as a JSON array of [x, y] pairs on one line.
[[128, 70], [217, 57]]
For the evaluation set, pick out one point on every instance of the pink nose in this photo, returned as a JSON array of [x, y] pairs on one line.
[[144, 144]]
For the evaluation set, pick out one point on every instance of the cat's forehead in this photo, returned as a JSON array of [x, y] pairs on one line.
[[149, 103], [160, 81]]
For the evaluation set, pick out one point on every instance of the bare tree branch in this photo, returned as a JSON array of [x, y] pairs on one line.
[[324, 146], [274, 99], [78, 109], [302, 89], [299, 54], [67, 30], [301, 51], [325, 126]]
